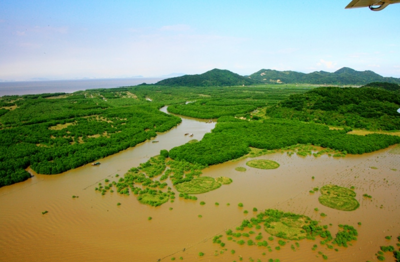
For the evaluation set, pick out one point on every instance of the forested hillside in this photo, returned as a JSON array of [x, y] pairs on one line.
[[369, 108], [343, 76], [215, 77], [59, 134]]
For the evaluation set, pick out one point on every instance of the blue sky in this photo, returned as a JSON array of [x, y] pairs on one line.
[[100, 39]]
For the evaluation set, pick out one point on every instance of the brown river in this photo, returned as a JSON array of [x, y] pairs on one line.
[[93, 228]]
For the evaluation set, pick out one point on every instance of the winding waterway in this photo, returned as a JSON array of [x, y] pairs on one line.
[[93, 228]]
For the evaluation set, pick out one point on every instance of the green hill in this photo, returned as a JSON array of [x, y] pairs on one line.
[[343, 76], [368, 108], [384, 85], [215, 77]]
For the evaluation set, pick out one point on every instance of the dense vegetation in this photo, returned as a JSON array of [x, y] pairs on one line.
[[232, 101], [343, 76], [383, 85], [56, 132], [232, 138], [354, 107], [56, 135], [215, 77], [214, 108]]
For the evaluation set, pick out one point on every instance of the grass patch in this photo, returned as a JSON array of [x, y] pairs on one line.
[[255, 152], [155, 199], [240, 169], [154, 167], [224, 180], [263, 164], [339, 198], [288, 227], [198, 185]]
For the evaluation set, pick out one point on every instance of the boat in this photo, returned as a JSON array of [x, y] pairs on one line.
[[95, 163], [154, 141]]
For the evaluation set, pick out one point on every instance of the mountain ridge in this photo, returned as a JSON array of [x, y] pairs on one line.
[[222, 77], [343, 76], [214, 77]]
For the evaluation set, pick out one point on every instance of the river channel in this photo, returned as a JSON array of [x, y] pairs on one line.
[[93, 228]]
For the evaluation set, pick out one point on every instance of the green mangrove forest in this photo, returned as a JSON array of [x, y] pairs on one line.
[[53, 133]]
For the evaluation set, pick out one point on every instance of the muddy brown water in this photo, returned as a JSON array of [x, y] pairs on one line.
[[93, 228]]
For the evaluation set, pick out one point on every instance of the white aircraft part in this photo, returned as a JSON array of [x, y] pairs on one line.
[[371, 3]]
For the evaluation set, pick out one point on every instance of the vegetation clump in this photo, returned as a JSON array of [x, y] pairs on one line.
[[153, 198], [339, 198], [198, 185], [224, 180], [367, 196], [380, 255], [263, 164], [289, 226]]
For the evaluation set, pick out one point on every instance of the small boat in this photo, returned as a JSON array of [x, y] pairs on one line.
[[186, 134], [95, 163], [191, 135], [154, 141]]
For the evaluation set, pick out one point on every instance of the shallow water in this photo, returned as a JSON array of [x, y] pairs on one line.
[[68, 86], [93, 228]]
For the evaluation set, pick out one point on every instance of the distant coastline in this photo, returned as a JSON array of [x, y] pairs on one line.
[[68, 86]]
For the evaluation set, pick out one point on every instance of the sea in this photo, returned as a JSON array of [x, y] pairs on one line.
[[68, 86]]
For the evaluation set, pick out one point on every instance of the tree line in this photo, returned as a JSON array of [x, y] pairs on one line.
[[232, 138]]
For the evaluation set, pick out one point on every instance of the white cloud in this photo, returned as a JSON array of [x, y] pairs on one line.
[[327, 64]]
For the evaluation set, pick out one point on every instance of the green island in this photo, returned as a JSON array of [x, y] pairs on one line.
[[224, 180], [240, 169], [198, 185], [286, 227], [263, 164], [339, 198]]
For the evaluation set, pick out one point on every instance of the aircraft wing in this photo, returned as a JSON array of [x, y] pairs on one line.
[[374, 5]]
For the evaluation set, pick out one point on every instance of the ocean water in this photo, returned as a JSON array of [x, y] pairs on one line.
[[68, 86]]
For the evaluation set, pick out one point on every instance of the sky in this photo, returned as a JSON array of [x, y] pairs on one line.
[[55, 40]]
